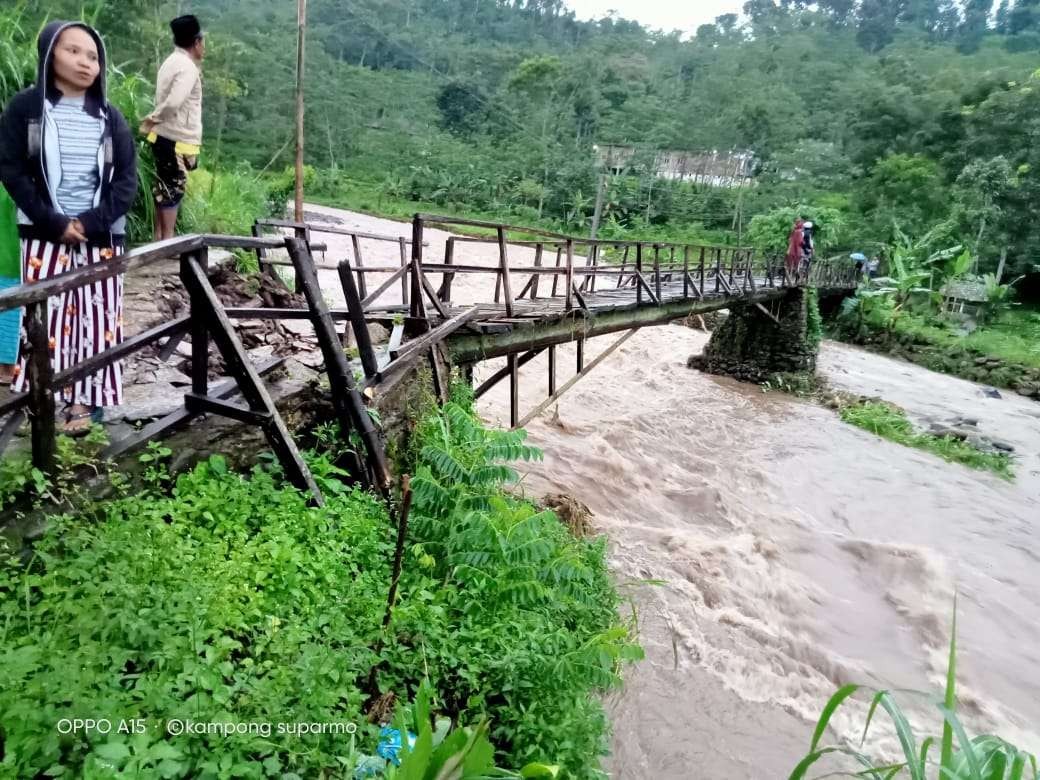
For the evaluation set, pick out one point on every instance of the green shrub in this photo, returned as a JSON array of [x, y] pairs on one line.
[[512, 615], [224, 202], [226, 598], [229, 600]]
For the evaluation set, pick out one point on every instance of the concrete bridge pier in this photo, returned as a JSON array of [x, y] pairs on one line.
[[759, 341]]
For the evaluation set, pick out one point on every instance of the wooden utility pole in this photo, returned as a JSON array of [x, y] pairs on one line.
[[597, 214], [301, 28]]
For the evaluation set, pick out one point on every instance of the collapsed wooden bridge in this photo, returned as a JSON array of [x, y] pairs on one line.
[[568, 290]]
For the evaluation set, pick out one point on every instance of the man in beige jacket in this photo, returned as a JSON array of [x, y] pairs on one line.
[[174, 128]]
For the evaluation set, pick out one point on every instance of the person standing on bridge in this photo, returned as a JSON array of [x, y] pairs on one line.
[[69, 162], [808, 249], [174, 128], [795, 242]]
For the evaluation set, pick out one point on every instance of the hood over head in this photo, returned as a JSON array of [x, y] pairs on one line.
[[96, 96]]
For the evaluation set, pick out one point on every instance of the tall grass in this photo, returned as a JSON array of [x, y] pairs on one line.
[[17, 60], [223, 202], [960, 758]]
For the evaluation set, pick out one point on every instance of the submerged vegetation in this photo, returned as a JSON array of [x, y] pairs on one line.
[[890, 422]]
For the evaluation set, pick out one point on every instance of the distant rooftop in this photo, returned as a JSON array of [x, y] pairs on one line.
[[714, 168], [971, 290]]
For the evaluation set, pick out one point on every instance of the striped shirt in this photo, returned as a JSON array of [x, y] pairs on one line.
[[79, 137]]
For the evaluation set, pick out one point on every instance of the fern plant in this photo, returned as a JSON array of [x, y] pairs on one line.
[[475, 534], [533, 618]]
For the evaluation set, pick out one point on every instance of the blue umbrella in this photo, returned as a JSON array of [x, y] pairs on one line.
[[858, 256]]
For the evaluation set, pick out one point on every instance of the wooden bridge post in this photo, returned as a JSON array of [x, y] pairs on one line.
[[686, 272], [570, 274], [199, 328], [356, 311], [639, 272], [503, 259], [556, 276], [449, 259], [624, 262], [657, 270], [702, 270], [595, 267], [514, 389], [718, 269], [261, 253], [41, 391], [580, 354], [537, 264], [304, 234], [416, 263], [207, 312], [552, 369], [403, 252], [347, 400], [362, 287]]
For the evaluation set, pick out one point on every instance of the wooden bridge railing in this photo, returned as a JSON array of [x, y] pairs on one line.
[[207, 321], [565, 268], [305, 230], [652, 269]]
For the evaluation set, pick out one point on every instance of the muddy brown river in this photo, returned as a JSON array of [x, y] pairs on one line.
[[795, 553]]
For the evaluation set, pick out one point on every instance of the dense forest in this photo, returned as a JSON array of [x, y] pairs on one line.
[[878, 117]]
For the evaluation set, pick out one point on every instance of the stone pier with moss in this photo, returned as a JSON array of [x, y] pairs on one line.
[[757, 342]]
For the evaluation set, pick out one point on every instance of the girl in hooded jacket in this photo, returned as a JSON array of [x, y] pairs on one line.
[[68, 160]]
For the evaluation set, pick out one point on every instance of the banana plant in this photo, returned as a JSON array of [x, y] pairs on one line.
[[997, 295]]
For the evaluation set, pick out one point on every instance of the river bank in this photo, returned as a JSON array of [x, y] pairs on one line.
[[1004, 354]]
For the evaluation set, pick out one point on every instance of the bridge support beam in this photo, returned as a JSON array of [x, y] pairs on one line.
[[469, 347], [756, 342]]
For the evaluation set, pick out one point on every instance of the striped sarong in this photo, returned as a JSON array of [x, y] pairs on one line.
[[81, 323]]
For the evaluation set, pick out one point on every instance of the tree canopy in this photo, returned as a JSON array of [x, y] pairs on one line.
[[880, 109]]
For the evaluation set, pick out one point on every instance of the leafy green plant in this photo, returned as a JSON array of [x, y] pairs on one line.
[[17, 58], [961, 758], [497, 570], [441, 752], [998, 296]]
